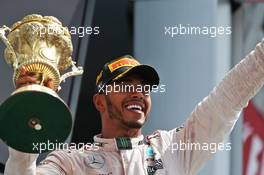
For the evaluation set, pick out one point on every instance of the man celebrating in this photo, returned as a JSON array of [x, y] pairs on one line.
[[123, 150]]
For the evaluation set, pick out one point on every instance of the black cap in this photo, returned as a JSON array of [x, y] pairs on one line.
[[124, 66]]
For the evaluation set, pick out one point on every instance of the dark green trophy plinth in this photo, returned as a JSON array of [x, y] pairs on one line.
[[34, 119]]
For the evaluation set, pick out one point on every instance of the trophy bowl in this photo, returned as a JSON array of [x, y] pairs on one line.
[[34, 115]]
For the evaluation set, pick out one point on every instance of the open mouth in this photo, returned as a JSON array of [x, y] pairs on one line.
[[135, 107]]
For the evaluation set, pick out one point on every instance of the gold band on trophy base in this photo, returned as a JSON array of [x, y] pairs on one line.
[[42, 46]]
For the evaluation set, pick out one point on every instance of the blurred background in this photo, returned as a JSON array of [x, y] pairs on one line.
[[189, 64]]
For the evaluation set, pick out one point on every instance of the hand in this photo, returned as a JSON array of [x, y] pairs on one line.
[[26, 78]]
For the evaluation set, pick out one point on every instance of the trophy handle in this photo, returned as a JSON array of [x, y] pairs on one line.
[[75, 71], [3, 31]]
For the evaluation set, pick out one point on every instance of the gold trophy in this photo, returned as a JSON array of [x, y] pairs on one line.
[[34, 115]]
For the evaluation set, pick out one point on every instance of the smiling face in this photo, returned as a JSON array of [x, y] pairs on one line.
[[129, 108]]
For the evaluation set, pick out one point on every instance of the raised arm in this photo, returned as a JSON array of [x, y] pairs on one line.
[[215, 116], [23, 163]]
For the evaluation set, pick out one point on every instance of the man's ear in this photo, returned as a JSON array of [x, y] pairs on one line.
[[99, 102]]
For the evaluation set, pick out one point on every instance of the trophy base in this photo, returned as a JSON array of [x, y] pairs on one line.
[[34, 119]]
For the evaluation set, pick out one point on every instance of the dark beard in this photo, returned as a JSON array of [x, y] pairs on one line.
[[116, 114]]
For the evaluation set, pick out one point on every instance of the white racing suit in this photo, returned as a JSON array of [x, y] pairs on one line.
[[211, 122]]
